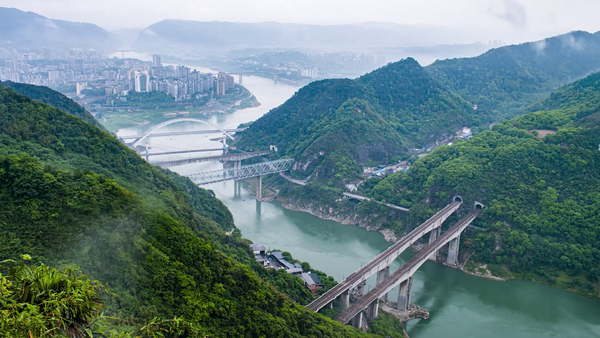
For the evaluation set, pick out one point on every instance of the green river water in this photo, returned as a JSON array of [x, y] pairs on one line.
[[461, 305]]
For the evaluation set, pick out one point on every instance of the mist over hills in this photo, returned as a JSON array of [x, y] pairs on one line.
[[20, 29], [235, 35]]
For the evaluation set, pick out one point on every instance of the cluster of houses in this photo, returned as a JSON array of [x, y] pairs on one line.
[[276, 260]]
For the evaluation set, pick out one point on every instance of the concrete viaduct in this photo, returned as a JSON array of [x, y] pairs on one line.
[[380, 265]]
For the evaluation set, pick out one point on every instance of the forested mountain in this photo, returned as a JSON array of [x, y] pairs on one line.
[[71, 193], [53, 98], [333, 126], [538, 175], [503, 81], [20, 29]]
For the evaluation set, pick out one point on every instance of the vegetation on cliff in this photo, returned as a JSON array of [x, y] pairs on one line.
[[71, 193], [538, 176], [53, 98], [333, 126], [503, 81]]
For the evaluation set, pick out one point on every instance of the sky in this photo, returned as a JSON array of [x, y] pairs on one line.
[[507, 18]]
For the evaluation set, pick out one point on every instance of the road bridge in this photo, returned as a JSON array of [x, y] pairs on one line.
[[187, 132], [180, 152], [403, 276], [242, 172], [235, 157], [363, 198], [153, 130], [380, 264]]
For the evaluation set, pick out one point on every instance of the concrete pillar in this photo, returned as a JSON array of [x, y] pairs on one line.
[[373, 310], [453, 251], [404, 294], [344, 299], [433, 235], [330, 305], [361, 288], [381, 277], [240, 80], [239, 163], [357, 320], [259, 188]]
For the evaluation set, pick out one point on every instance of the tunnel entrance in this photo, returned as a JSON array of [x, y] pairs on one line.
[[458, 199]]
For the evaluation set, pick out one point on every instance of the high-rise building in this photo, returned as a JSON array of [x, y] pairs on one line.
[[142, 81], [156, 61], [224, 83]]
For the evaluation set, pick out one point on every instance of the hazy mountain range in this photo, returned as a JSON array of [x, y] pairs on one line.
[[27, 29]]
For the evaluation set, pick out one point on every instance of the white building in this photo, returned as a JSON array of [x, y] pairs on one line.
[[142, 81]]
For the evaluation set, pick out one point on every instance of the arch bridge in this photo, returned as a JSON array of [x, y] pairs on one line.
[[157, 127]]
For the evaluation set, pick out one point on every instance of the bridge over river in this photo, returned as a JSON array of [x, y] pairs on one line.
[[380, 265]]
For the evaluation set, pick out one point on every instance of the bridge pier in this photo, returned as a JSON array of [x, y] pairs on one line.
[[433, 235], [240, 79], [258, 188], [373, 310], [361, 288], [357, 320], [453, 251], [404, 294], [381, 277], [344, 299]]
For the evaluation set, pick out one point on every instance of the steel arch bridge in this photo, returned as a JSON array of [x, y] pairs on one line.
[[242, 172], [166, 123]]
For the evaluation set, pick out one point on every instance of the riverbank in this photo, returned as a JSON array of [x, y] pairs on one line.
[[115, 118]]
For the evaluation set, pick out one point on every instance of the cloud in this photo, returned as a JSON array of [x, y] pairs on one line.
[[513, 12], [539, 46], [570, 41]]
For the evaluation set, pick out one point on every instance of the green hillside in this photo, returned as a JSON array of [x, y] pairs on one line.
[[333, 126], [71, 193], [53, 98], [503, 81], [541, 193]]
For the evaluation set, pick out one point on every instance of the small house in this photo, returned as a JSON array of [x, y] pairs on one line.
[[312, 282]]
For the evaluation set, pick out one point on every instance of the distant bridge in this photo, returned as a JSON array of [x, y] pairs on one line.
[[242, 172], [188, 132], [236, 157], [153, 130], [363, 198]]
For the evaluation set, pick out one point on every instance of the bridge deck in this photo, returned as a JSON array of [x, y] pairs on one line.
[[228, 157], [242, 172], [359, 275], [416, 261], [363, 198], [188, 132]]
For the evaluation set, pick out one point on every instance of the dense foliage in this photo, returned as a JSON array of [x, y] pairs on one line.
[[44, 302], [541, 193], [503, 81], [71, 193], [332, 126], [53, 98]]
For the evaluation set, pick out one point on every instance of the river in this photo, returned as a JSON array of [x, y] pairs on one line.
[[461, 305]]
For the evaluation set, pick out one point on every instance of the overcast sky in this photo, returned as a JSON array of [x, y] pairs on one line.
[[529, 17]]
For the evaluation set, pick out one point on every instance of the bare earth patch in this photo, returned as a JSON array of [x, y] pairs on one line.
[[543, 132]]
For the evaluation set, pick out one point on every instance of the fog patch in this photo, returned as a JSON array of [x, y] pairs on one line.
[[539, 46], [513, 13], [570, 41]]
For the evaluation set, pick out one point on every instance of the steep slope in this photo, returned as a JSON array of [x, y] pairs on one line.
[[541, 192], [71, 193], [332, 126], [53, 98], [503, 81], [20, 29]]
